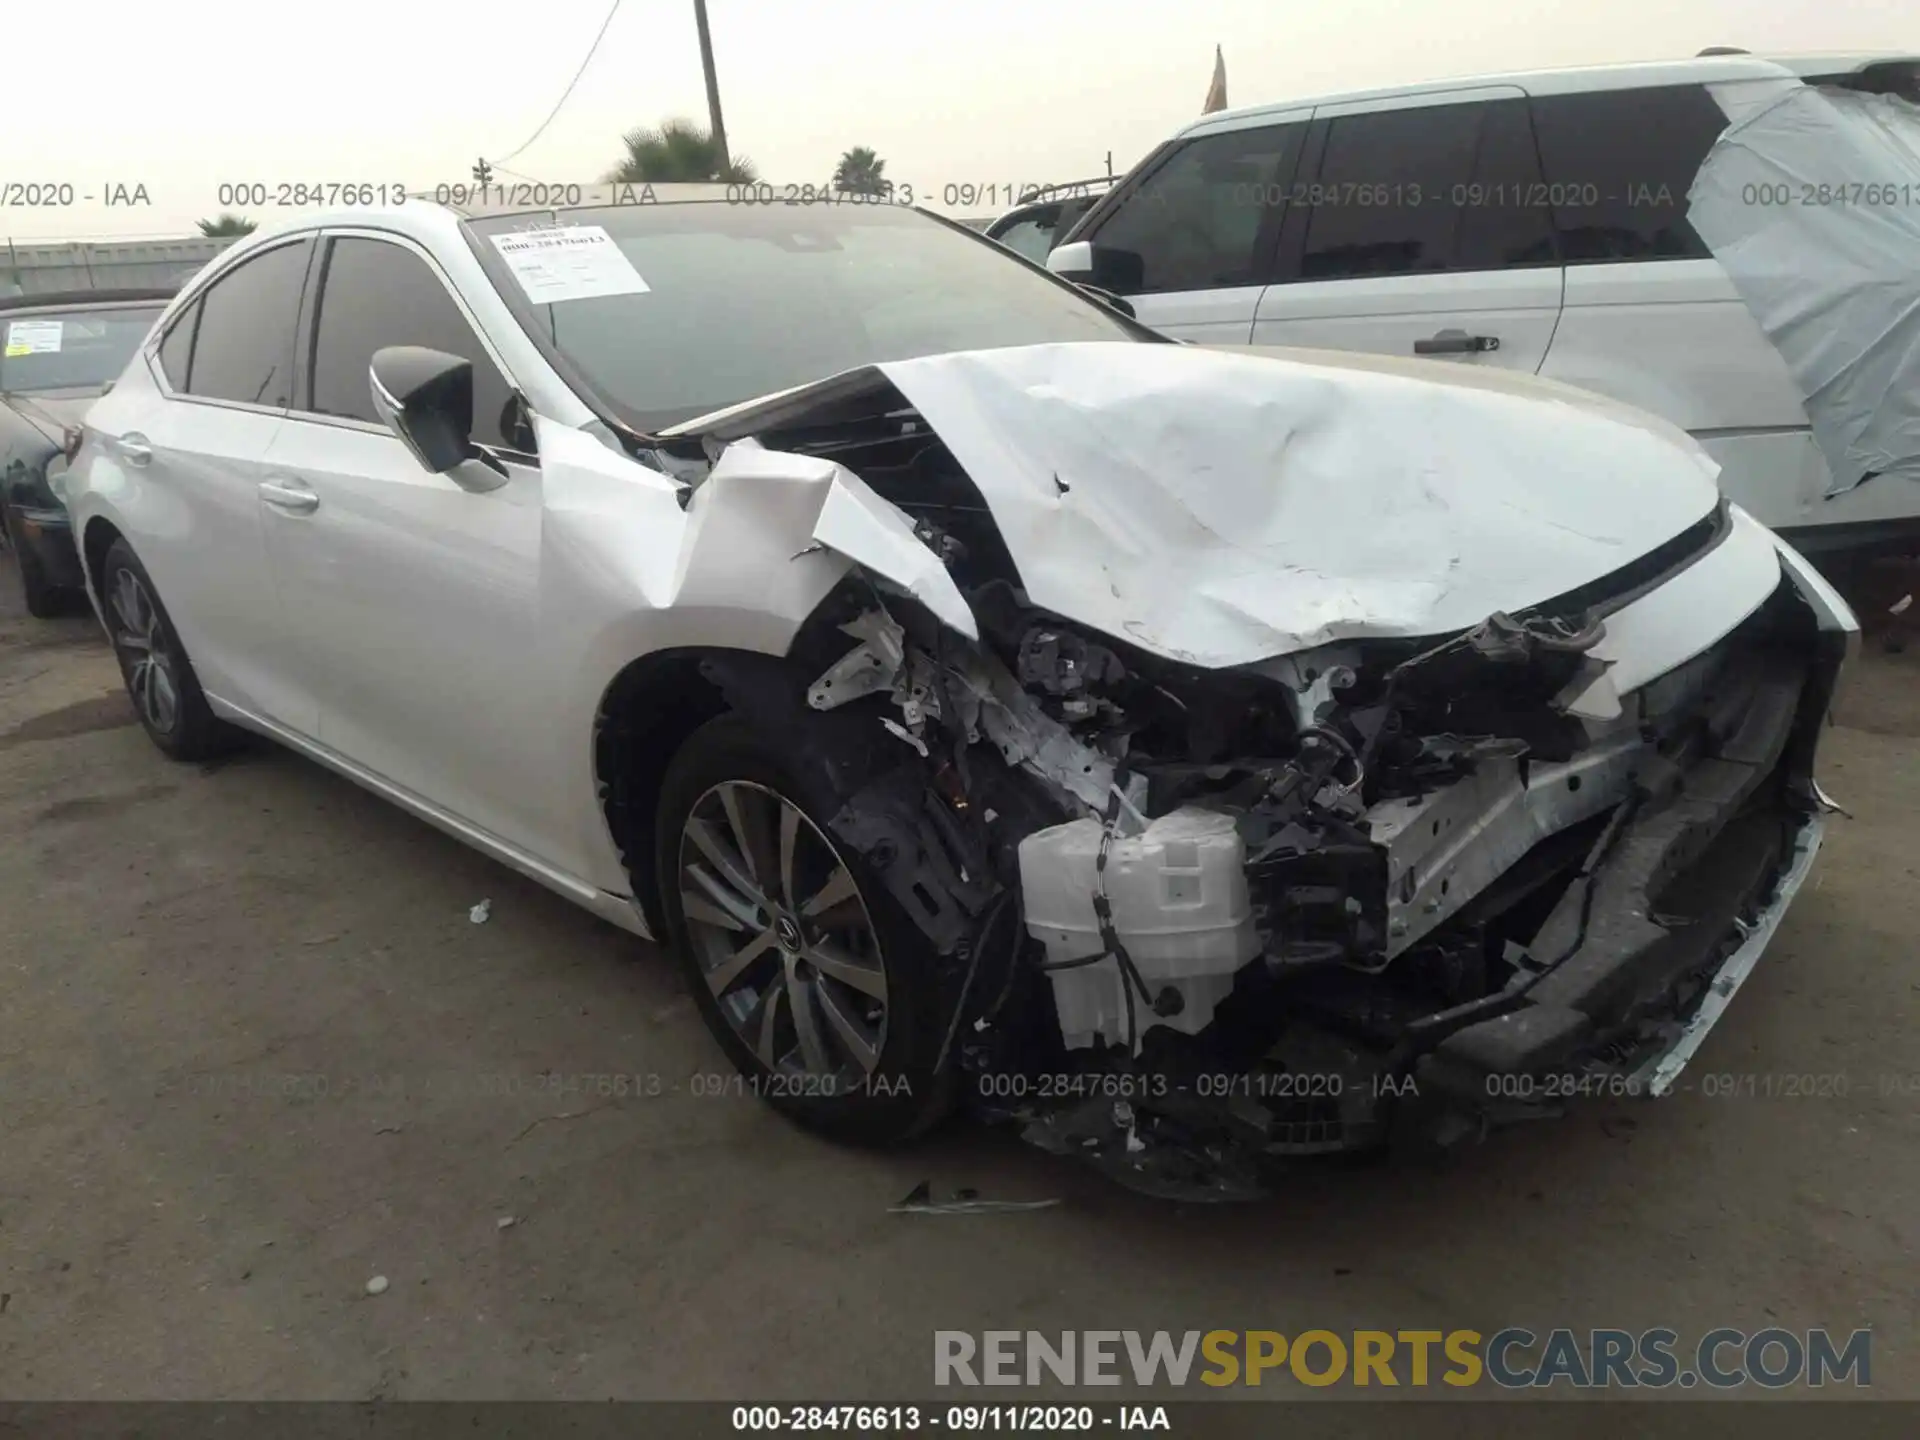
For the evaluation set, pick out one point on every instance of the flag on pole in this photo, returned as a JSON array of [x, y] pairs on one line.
[[1217, 91]]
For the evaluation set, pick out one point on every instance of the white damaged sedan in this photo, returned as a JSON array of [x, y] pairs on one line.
[[1201, 759]]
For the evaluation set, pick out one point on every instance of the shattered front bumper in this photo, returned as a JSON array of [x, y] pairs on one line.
[[1658, 1072], [1520, 1064], [1641, 957]]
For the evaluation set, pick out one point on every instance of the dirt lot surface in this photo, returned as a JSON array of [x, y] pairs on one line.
[[255, 1053]]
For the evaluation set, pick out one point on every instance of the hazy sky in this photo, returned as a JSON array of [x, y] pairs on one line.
[[180, 95]]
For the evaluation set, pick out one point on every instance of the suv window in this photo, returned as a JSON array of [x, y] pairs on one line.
[[1196, 222], [375, 294], [1426, 189], [1032, 235], [1618, 167], [1506, 224], [243, 343]]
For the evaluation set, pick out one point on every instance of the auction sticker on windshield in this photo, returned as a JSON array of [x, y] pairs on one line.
[[33, 337], [568, 262]]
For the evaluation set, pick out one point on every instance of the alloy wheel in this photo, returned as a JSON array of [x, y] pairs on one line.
[[138, 636], [782, 936]]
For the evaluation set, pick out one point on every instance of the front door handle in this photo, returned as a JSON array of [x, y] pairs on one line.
[[1456, 342], [290, 496], [135, 448]]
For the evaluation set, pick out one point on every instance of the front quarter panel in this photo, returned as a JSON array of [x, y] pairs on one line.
[[626, 572]]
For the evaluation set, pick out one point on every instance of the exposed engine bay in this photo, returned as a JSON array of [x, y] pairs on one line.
[[1195, 921]]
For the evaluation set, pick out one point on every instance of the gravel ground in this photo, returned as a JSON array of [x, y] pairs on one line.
[[254, 1053]]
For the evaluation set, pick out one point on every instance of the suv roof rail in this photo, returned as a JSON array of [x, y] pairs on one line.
[[1722, 50], [1041, 192]]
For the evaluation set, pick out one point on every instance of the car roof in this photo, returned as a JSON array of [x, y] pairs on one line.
[[80, 299], [1699, 70]]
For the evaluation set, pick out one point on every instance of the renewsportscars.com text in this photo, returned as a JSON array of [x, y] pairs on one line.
[[1513, 1358]]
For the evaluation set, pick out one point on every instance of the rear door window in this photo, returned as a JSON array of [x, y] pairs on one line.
[[243, 344], [1618, 165], [1201, 219]]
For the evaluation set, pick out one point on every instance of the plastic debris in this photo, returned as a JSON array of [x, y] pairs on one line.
[[920, 1201], [901, 732], [479, 913], [377, 1285], [506, 1222]]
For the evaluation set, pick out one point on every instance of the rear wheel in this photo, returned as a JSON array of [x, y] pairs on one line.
[[43, 600], [160, 681], [820, 989]]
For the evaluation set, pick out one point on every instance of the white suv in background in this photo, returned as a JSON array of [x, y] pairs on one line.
[[1536, 222]]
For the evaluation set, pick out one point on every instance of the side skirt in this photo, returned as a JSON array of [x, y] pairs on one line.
[[620, 910]]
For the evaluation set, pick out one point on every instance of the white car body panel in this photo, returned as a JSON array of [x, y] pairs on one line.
[[1671, 336], [189, 501], [1391, 314], [403, 603], [1203, 317]]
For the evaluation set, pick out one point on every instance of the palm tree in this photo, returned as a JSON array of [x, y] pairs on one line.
[[860, 173], [228, 224], [677, 152]]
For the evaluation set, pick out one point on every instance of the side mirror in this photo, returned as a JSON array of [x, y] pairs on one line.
[[1072, 262], [426, 398], [1107, 297], [1121, 272]]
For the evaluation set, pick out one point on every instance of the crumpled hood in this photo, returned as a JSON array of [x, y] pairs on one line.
[[1221, 508], [1811, 203]]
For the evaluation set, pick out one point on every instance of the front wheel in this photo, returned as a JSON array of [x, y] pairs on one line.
[[820, 989]]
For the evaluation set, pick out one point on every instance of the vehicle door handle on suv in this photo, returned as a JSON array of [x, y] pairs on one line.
[[1456, 342], [134, 448], [290, 496]]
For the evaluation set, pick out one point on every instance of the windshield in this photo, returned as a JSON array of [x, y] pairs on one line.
[[741, 300], [71, 349]]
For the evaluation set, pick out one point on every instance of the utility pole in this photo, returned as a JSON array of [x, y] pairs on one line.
[[717, 126]]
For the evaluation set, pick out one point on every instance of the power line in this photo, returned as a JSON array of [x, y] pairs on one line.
[[591, 50]]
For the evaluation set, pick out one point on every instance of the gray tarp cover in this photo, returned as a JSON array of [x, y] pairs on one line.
[[1832, 275]]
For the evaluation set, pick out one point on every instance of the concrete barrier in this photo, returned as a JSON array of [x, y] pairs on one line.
[[39, 268]]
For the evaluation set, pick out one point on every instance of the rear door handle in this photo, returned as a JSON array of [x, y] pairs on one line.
[[1456, 342], [290, 496], [134, 448]]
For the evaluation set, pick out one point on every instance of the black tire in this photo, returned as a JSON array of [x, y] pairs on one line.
[[43, 600], [187, 729], [901, 1096]]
